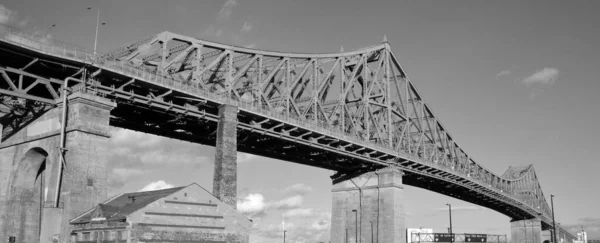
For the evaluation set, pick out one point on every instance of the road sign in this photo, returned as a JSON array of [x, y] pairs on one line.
[[443, 237], [475, 238]]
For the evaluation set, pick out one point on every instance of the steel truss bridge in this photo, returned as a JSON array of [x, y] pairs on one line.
[[351, 112]]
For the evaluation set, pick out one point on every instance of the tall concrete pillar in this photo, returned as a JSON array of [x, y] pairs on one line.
[[369, 207], [225, 176], [30, 212], [526, 231]]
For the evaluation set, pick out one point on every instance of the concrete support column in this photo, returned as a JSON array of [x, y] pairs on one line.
[[225, 176], [526, 231], [369, 208], [83, 183]]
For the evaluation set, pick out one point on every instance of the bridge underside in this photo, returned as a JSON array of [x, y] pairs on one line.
[[270, 138]]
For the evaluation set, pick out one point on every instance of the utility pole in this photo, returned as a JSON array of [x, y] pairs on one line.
[[553, 221], [450, 214]]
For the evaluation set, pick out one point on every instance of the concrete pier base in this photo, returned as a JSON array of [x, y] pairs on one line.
[[225, 175], [30, 180], [526, 231], [369, 208]]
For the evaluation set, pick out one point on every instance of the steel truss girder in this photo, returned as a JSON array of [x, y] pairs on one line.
[[377, 111], [375, 101]]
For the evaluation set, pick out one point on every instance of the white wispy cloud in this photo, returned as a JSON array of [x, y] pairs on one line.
[[544, 76], [157, 185], [134, 153], [244, 157], [253, 45], [225, 12], [503, 73], [247, 27], [298, 189], [288, 202], [299, 212], [253, 203], [7, 16]]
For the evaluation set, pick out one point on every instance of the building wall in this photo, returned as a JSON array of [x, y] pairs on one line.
[[111, 232], [190, 214]]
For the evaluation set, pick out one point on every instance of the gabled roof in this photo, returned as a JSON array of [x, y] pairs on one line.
[[119, 207]]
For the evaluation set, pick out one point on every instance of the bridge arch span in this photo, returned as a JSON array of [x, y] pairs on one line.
[[26, 196]]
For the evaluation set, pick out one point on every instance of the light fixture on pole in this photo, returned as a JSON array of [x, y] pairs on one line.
[[97, 26], [553, 221], [450, 214]]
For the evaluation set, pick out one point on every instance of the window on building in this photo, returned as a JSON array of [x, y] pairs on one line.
[[74, 237], [124, 235], [86, 236]]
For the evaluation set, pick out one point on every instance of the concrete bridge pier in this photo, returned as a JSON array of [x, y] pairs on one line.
[[526, 231], [369, 208], [29, 171], [225, 175]]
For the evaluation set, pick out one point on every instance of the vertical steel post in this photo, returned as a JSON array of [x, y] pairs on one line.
[[553, 221], [450, 214]]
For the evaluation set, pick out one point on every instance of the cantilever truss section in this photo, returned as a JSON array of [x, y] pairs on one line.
[[363, 94], [527, 188]]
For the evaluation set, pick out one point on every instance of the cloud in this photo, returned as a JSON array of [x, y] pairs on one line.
[[252, 203], [320, 225], [589, 224], [126, 137], [253, 206], [219, 32], [288, 203], [546, 76], [298, 189], [253, 45], [157, 185], [301, 233], [247, 27], [134, 153], [299, 212], [503, 73], [225, 12], [127, 172], [7, 16], [244, 157]]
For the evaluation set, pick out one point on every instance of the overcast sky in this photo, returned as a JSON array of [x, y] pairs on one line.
[[515, 82]]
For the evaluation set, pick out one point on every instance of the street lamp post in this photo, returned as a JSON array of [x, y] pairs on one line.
[[553, 221], [97, 27], [355, 225], [450, 214]]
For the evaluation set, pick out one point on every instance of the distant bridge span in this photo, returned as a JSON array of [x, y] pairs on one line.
[[352, 112]]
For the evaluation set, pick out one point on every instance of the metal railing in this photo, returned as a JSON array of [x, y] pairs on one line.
[[44, 44]]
